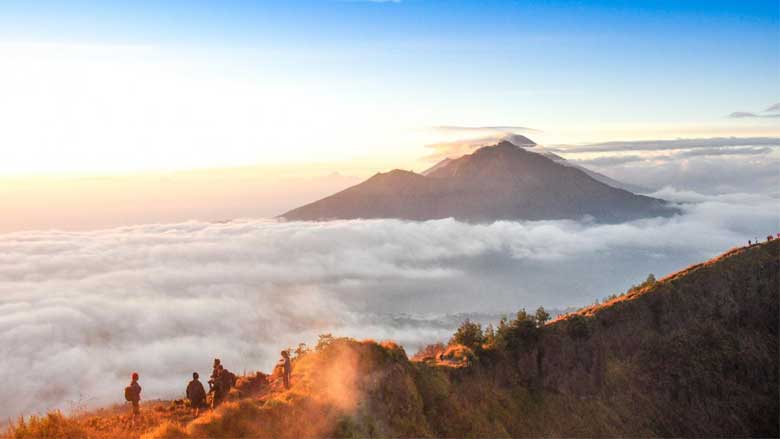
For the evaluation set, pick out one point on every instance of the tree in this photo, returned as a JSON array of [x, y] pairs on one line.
[[650, 279], [502, 333], [469, 334], [324, 341], [542, 316], [489, 335], [522, 315], [301, 350]]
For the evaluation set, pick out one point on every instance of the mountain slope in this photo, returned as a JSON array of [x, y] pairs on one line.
[[597, 175], [500, 182], [692, 355]]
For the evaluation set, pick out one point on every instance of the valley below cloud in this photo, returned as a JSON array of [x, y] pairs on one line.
[[79, 311]]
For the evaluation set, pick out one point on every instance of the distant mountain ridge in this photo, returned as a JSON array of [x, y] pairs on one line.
[[499, 182]]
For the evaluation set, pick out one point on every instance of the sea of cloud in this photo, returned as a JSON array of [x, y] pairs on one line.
[[79, 311]]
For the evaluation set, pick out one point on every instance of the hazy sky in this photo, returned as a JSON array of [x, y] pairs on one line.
[[106, 87]]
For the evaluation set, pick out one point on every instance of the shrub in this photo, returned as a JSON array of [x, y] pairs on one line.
[[324, 340], [301, 350], [577, 327], [429, 352], [469, 334], [166, 430], [521, 333], [541, 316], [53, 425]]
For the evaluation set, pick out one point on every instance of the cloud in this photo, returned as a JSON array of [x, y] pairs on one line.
[[771, 112], [457, 148], [725, 151], [614, 160], [80, 310], [773, 108], [746, 114], [493, 129], [664, 145], [609, 160], [718, 171]]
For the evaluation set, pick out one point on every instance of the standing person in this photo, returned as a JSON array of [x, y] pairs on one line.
[[217, 386], [196, 394], [286, 368], [133, 394], [213, 380], [215, 368]]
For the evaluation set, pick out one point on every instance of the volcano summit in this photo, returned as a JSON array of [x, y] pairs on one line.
[[498, 182]]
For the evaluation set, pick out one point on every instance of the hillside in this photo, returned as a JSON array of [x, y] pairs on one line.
[[694, 354], [499, 182]]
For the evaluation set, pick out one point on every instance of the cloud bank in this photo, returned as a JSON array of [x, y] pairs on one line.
[[79, 311], [665, 145], [714, 166], [772, 111]]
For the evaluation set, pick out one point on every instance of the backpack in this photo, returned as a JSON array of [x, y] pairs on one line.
[[229, 378], [131, 394]]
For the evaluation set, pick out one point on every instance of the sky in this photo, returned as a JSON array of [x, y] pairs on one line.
[[114, 87]]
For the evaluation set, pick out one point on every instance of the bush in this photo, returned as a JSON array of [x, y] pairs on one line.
[[469, 334], [541, 316], [301, 350], [53, 425], [521, 333], [324, 341], [577, 327], [429, 352], [166, 430]]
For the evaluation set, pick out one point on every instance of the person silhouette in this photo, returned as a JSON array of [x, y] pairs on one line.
[[196, 394], [286, 368], [133, 394]]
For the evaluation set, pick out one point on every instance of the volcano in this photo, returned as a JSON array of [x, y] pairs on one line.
[[499, 182]]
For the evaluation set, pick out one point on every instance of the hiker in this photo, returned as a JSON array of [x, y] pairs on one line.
[[220, 385], [196, 394], [215, 369], [228, 379], [133, 394], [287, 368], [216, 386]]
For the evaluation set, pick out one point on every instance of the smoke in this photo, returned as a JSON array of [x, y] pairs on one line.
[[80, 311]]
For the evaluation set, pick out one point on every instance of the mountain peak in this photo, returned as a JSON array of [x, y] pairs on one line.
[[498, 182], [519, 140]]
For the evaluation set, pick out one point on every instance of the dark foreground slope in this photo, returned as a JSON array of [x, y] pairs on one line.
[[693, 355], [500, 182]]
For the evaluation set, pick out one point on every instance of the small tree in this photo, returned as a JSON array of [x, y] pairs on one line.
[[301, 350], [542, 316], [650, 279], [469, 334], [490, 335], [502, 333], [324, 341], [522, 316]]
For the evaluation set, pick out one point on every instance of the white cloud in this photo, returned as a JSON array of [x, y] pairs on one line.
[[80, 310]]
